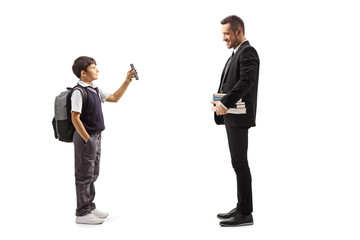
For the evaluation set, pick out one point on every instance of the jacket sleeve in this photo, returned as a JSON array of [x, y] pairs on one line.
[[248, 65]]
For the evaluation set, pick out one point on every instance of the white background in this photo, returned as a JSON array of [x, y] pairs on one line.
[[165, 170]]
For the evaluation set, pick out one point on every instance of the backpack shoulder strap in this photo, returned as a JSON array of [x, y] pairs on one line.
[[83, 93]]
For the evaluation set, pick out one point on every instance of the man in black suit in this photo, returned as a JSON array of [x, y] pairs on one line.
[[239, 80]]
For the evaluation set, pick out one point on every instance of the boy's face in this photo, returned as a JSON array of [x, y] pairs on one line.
[[90, 74]]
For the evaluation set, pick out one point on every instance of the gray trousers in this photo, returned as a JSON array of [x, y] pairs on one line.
[[87, 161]]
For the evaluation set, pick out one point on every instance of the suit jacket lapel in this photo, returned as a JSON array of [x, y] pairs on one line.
[[236, 56], [224, 73]]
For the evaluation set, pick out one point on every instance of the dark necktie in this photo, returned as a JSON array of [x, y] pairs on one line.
[[229, 62], [226, 69]]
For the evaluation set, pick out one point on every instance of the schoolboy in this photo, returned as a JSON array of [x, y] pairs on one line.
[[89, 123]]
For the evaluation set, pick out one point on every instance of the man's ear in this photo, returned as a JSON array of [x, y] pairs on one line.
[[83, 73], [239, 31]]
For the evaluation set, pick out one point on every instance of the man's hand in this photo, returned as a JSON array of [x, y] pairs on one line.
[[220, 110]]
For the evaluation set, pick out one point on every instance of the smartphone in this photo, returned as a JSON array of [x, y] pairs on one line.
[[133, 68]]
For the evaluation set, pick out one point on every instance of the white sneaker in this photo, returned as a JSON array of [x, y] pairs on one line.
[[99, 213], [89, 219]]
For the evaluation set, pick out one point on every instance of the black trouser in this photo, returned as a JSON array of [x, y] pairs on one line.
[[87, 161], [238, 144]]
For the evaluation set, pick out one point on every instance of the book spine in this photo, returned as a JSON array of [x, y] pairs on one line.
[[233, 110], [216, 98], [219, 98], [220, 95]]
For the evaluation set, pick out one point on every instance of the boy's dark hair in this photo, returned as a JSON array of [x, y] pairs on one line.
[[82, 63], [235, 23]]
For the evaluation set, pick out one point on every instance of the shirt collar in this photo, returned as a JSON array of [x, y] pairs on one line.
[[239, 46], [84, 84]]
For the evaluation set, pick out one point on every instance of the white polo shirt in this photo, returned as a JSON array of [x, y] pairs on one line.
[[77, 100]]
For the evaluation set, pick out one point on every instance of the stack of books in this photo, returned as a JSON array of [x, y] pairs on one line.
[[238, 108]]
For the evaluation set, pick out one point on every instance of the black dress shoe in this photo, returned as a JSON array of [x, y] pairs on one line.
[[238, 220], [227, 215]]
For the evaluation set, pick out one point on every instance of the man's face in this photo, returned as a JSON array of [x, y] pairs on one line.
[[229, 36], [91, 72]]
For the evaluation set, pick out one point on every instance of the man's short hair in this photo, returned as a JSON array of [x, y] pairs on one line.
[[235, 23], [82, 63]]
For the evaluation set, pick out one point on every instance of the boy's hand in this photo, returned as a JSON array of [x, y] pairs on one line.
[[79, 126], [120, 92], [130, 75]]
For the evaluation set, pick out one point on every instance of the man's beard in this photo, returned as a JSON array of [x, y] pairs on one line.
[[235, 43]]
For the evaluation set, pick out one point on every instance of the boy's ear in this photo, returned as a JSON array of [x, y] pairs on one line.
[[83, 73]]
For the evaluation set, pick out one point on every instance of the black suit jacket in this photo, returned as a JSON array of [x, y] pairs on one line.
[[241, 81]]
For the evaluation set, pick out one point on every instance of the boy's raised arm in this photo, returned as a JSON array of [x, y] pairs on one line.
[[115, 97]]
